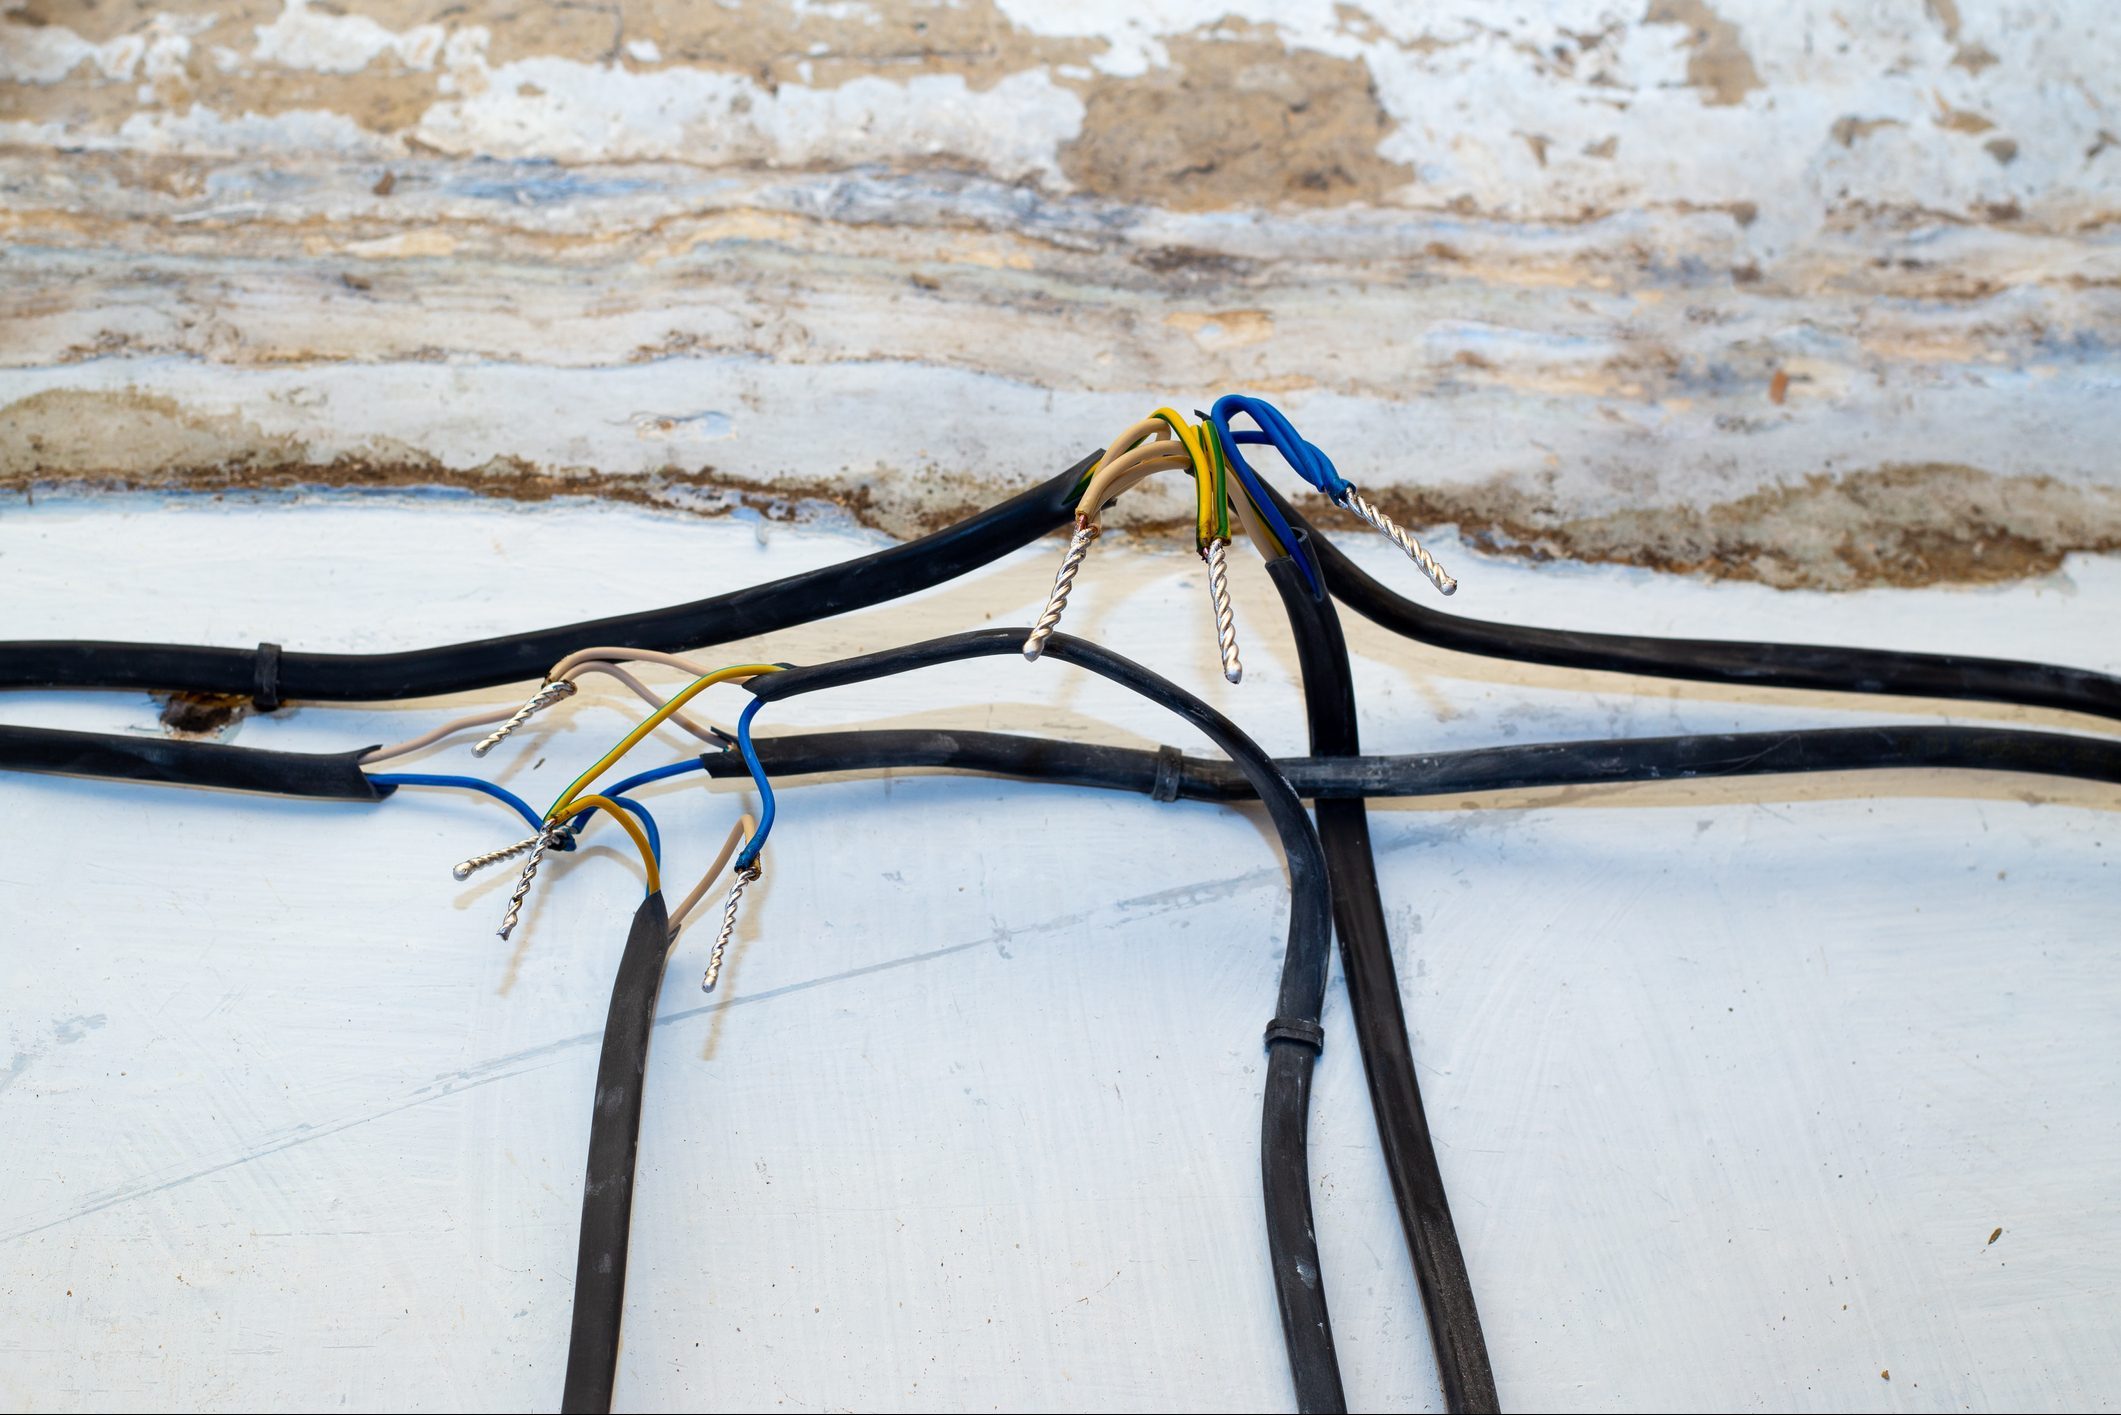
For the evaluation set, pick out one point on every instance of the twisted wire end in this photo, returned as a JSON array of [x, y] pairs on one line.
[[1402, 537], [1218, 557], [550, 693], [544, 841], [743, 879], [466, 869], [1063, 585]]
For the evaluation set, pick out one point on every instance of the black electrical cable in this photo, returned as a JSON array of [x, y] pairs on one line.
[[333, 776], [1171, 775], [1762, 665], [1446, 1287], [1167, 774], [607, 1186], [271, 673], [1294, 1036]]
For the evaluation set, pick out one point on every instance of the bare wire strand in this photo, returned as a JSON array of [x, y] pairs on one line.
[[738, 833]]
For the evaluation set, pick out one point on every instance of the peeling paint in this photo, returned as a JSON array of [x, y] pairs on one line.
[[1900, 525], [1585, 281], [1932, 524], [1717, 61]]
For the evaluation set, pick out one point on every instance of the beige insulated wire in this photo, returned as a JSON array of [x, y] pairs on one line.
[[568, 670], [738, 833], [619, 654], [1147, 446]]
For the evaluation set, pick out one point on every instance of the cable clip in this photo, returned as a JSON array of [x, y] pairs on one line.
[[1218, 558], [550, 693], [1063, 583], [553, 836], [744, 876], [1368, 510]]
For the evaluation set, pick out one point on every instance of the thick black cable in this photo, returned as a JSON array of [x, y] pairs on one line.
[[1166, 774], [1820, 667], [889, 574], [334, 776], [607, 1187], [979, 540], [1520, 766], [1446, 1287], [1293, 1035]]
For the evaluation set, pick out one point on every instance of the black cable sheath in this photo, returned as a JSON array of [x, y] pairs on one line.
[[607, 1188], [337, 776], [1293, 1034], [979, 540], [888, 574], [1462, 1364], [1761, 665], [334, 776], [1520, 766]]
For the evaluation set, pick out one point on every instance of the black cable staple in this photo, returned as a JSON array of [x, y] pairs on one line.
[[265, 687], [1297, 1030]]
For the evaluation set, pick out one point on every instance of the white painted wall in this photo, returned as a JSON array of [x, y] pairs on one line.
[[1730, 1083], [1813, 304]]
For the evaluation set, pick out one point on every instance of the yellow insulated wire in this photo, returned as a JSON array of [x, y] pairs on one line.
[[564, 806], [1146, 448], [1206, 498], [1236, 496], [624, 817]]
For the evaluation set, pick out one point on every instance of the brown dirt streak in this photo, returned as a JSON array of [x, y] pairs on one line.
[[1236, 121], [1736, 540], [1905, 525]]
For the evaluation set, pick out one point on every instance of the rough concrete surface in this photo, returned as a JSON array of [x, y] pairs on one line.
[[1822, 294]]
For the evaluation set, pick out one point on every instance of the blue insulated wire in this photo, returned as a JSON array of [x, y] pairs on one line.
[[658, 773], [1276, 522], [1310, 462], [749, 855], [655, 837], [468, 783]]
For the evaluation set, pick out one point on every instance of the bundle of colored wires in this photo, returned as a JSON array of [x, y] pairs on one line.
[[623, 809], [1145, 448], [605, 660]]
